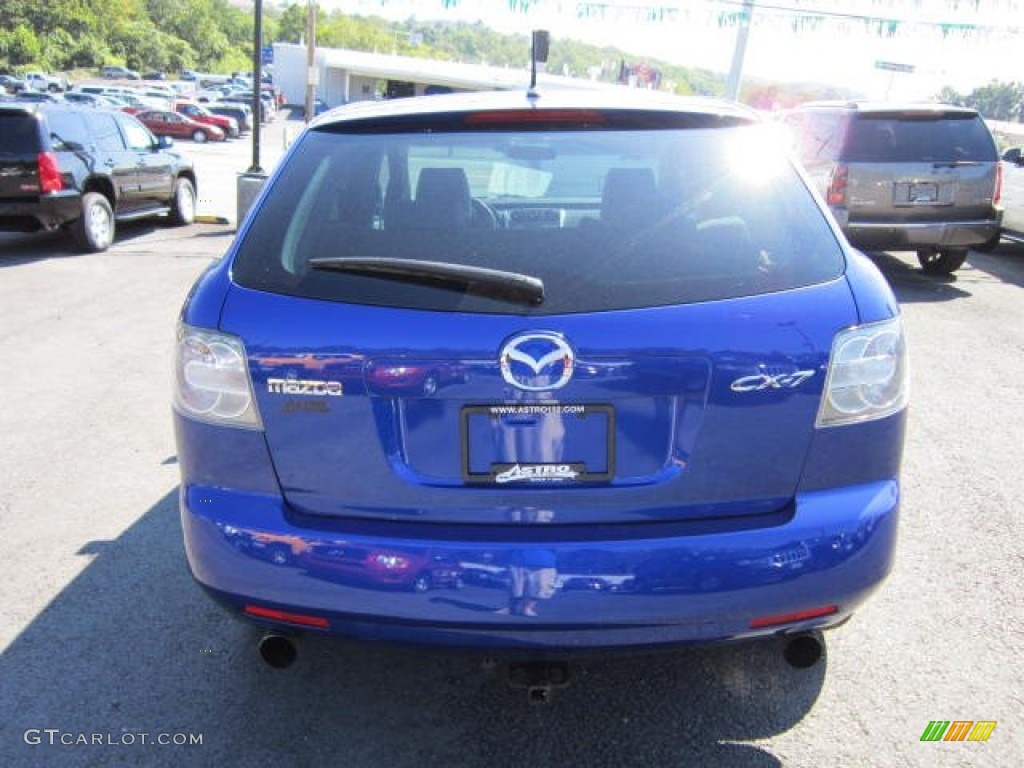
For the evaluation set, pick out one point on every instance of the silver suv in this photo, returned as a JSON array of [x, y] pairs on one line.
[[920, 177]]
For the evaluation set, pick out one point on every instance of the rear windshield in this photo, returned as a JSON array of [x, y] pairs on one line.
[[923, 138], [606, 219], [19, 134]]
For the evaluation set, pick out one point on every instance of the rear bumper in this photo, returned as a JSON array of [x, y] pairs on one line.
[[834, 549], [889, 235], [46, 212]]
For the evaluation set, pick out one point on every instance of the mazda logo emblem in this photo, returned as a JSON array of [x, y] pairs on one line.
[[537, 362]]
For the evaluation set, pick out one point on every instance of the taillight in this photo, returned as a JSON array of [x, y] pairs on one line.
[[836, 194], [998, 195], [212, 379], [49, 173], [867, 375]]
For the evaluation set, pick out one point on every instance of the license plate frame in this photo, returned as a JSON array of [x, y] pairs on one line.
[[524, 472]]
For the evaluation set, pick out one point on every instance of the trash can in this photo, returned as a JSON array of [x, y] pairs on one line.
[[249, 185]]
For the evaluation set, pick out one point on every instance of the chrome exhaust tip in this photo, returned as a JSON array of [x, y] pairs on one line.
[[277, 651], [803, 650]]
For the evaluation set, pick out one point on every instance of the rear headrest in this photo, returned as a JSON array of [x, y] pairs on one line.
[[629, 198], [442, 199]]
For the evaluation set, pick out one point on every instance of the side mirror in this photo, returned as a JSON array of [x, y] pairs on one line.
[[164, 142]]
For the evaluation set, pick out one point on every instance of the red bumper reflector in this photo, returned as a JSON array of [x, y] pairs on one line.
[[792, 618], [288, 618]]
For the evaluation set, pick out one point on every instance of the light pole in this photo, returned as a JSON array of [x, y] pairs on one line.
[[310, 53], [740, 51], [257, 80]]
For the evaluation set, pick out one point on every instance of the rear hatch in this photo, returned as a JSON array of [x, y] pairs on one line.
[[19, 153], [669, 367], [670, 413], [919, 166]]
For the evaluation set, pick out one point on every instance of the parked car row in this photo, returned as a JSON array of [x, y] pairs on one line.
[[179, 118], [122, 88], [271, 98], [231, 117]]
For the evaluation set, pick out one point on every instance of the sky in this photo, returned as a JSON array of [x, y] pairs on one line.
[[960, 43]]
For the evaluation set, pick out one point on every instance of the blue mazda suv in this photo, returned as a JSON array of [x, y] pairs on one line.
[[548, 372]]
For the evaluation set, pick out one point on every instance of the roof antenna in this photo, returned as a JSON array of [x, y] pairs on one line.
[[539, 43]]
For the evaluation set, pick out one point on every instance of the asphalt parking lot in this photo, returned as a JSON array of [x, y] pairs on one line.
[[106, 638]]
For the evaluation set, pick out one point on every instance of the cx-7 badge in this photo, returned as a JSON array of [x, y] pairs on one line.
[[762, 381]]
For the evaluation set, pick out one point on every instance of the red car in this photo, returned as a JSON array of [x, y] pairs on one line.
[[201, 114], [378, 568], [164, 123], [414, 378]]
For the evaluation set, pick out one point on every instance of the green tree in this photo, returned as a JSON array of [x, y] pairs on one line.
[[20, 46], [57, 48], [291, 26], [950, 95], [996, 101], [87, 51]]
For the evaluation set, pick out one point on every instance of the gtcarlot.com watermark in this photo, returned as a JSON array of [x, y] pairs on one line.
[[57, 737]]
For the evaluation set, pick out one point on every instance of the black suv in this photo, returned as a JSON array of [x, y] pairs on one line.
[[84, 169], [921, 177]]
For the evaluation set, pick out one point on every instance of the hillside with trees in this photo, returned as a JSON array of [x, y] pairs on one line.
[[64, 35], [216, 36]]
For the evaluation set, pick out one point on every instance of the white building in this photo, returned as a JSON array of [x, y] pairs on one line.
[[342, 76]]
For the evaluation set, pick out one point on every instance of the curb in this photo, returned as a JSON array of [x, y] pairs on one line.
[[203, 219]]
